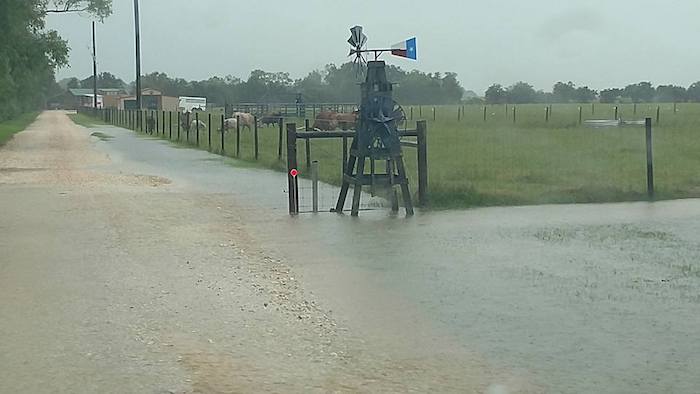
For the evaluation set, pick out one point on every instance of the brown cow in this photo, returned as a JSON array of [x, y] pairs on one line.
[[347, 121], [326, 121]]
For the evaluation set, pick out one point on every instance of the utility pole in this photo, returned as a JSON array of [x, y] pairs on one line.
[[137, 22], [94, 70]]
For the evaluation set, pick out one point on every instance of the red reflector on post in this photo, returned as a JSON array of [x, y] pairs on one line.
[[293, 172]]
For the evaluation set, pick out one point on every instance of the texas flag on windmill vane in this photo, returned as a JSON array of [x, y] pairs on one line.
[[405, 49]]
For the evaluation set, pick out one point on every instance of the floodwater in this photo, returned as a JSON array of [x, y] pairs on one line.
[[586, 298]]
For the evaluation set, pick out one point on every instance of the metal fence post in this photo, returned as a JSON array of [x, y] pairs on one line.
[[209, 129], [279, 142], [238, 135], [223, 132], [314, 185], [196, 123], [255, 136], [650, 160]]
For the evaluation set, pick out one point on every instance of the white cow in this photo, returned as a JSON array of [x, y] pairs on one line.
[[198, 126], [230, 124], [246, 119]]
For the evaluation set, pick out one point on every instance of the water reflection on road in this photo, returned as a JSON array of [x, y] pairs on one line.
[[587, 298]]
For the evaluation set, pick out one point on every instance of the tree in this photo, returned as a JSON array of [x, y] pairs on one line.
[[105, 80], [73, 83], [585, 95], [640, 92], [98, 8], [522, 93], [29, 54], [495, 94], [670, 94], [693, 92], [610, 95], [564, 92]]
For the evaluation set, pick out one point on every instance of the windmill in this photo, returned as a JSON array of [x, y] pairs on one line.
[[358, 40], [377, 133]]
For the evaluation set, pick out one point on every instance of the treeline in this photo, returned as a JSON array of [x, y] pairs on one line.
[[642, 92], [331, 84], [29, 54]]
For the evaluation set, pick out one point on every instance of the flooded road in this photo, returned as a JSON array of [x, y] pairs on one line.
[[586, 298]]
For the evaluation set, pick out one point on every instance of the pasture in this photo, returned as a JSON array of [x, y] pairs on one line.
[[477, 162]]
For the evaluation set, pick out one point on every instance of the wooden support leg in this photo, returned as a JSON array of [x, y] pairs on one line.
[[405, 192], [349, 167], [357, 192]]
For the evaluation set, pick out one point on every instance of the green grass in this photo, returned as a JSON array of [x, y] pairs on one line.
[[473, 162], [11, 127], [85, 120]]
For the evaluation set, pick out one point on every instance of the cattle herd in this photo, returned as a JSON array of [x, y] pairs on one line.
[[324, 121]]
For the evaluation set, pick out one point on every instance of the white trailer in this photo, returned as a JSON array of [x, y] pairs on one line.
[[189, 104]]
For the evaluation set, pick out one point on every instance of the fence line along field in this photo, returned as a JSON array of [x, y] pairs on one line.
[[479, 156]]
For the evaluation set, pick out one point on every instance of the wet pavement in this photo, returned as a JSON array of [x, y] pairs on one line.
[[586, 298]]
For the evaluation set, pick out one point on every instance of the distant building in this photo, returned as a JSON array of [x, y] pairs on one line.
[[84, 98], [151, 99]]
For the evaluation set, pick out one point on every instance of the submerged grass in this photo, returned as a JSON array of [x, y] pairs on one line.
[[473, 162], [11, 127], [85, 120]]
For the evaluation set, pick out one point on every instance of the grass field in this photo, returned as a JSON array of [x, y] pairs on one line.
[[473, 162], [85, 120], [9, 128]]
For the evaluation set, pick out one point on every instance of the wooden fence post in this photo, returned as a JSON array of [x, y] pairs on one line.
[[514, 110], [650, 159], [422, 129], [307, 145], [170, 125], [484, 113], [658, 114], [345, 156], [178, 126], [292, 165], [580, 115]]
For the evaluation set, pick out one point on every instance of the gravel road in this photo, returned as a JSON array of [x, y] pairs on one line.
[[117, 278]]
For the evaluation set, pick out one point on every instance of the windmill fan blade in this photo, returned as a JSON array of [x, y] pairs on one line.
[[356, 37]]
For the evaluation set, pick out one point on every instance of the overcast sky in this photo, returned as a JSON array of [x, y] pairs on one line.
[[600, 43]]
